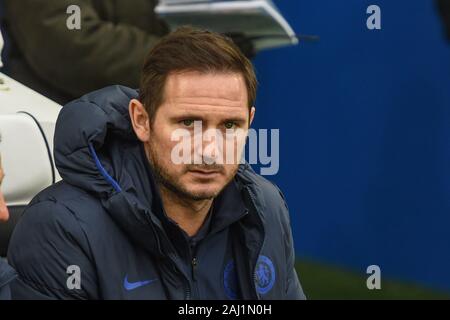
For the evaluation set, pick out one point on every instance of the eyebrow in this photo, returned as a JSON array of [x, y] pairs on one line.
[[199, 116]]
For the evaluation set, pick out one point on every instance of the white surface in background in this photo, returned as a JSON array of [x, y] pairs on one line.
[[259, 20], [15, 97], [25, 159]]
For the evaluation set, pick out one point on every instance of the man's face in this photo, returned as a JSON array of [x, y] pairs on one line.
[[202, 107], [4, 214]]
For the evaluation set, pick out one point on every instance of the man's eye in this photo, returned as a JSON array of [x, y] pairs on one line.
[[188, 122], [230, 125]]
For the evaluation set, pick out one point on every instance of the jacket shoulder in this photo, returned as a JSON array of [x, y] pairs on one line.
[[267, 194], [48, 239], [78, 201]]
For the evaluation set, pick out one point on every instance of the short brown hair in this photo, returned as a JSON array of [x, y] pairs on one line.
[[191, 49]]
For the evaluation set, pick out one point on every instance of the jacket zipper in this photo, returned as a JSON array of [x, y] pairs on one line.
[[194, 263], [187, 286], [187, 293]]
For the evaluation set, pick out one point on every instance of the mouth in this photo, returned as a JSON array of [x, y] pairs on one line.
[[205, 174]]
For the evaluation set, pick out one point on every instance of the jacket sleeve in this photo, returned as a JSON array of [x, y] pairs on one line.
[[294, 289], [49, 252], [7, 275], [101, 53]]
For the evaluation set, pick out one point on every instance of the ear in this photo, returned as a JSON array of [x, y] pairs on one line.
[[252, 115], [139, 120]]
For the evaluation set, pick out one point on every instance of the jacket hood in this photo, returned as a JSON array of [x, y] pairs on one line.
[[96, 150], [86, 133]]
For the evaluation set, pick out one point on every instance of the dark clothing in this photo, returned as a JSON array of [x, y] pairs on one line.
[[62, 64], [7, 275], [444, 10], [106, 218]]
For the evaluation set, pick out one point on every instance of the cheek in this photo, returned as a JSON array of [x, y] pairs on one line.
[[161, 140], [233, 149], [230, 169], [162, 145]]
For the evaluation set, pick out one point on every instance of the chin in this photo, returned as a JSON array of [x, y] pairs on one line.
[[203, 191]]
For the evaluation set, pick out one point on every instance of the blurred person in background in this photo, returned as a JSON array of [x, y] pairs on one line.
[[4, 214], [444, 11], [109, 48], [1, 48], [7, 274], [62, 64]]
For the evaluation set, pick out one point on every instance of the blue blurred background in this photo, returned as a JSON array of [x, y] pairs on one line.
[[365, 136]]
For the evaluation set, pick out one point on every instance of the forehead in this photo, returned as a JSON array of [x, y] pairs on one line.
[[206, 89]]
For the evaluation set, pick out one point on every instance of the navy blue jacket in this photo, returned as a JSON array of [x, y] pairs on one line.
[[101, 221], [7, 275]]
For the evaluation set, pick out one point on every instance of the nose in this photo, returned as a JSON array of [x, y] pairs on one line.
[[4, 213], [212, 147]]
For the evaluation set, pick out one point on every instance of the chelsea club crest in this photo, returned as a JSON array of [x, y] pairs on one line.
[[264, 275]]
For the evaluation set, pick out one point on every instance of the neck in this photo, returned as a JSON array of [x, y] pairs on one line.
[[188, 214]]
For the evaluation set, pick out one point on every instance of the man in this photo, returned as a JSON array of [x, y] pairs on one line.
[[7, 274], [129, 221], [4, 214]]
